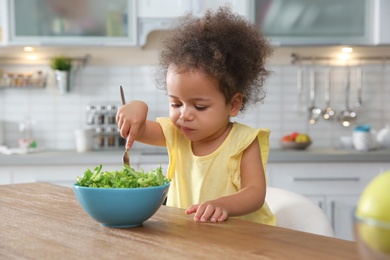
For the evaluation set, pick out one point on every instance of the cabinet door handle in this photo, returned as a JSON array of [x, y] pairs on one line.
[[320, 205], [326, 179], [332, 217]]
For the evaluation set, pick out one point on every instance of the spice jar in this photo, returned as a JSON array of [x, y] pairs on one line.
[[111, 137], [91, 113], [100, 114], [111, 114], [99, 137], [121, 141]]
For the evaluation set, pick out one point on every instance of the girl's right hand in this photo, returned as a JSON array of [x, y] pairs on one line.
[[131, 119]]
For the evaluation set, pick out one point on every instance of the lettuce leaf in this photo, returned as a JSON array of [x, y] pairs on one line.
[[127, 177]]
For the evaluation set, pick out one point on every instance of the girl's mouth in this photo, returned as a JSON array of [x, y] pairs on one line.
[[186, 130]]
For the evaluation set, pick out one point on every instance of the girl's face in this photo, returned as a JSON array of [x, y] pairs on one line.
[[197, 106]]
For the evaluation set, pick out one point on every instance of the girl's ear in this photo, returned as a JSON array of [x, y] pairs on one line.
[[235, 104]]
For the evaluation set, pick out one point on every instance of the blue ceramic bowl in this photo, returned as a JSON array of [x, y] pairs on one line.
[[121, 207]]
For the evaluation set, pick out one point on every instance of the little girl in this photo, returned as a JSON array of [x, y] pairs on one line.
[[211, 69]]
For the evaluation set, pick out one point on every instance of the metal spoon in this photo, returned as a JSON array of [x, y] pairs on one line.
[[125, 157], [359, 87], [299, 106], [328, 112], [347, 116], [314, 112]]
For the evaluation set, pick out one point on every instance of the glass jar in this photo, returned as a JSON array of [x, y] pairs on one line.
[[99, 137], [121, 141], [100, 114], [111, 114], [91, 114], [111, 133]]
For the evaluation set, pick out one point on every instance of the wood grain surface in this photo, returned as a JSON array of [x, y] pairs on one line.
[[44, 221]]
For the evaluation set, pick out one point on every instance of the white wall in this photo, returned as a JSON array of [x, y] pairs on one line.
[[57, 116]]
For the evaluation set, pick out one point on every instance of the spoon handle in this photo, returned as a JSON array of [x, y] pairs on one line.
[[312, 87], [122, 96], [359, 86], [327, 87], [347, 86]]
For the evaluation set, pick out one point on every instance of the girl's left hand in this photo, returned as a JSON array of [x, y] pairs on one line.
[[207, 212]]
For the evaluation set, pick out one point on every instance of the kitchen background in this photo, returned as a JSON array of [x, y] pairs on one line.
[[139, 24], [122, 45], [55, 116]]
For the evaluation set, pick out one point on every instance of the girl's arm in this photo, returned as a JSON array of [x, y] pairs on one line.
[[248, 199], [131, 119]]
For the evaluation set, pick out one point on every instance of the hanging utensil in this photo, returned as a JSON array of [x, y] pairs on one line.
[[328, 112], [314, 112], [125, 157], [347, 116], [359, 86], [299, 106]]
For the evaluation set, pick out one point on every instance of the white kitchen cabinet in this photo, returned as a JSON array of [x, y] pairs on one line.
[[340, 212], [156, 15], [175, 8], [162, 9], [98, 22], [318, 22], [238, 6], [335, 187], [64, 175], [5, 176]]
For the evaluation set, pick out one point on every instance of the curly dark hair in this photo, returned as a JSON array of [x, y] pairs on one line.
[[224, 46]]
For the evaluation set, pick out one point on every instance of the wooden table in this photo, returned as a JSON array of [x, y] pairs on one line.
[[44, 221]]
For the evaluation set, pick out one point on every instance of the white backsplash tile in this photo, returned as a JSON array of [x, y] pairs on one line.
[[57, 116]]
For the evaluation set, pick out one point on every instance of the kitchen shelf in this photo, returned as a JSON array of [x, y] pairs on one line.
[[298, 59], [33, 80], [22, 80], [78, 61]]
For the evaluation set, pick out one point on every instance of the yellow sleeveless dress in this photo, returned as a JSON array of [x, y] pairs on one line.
[[195, 179]]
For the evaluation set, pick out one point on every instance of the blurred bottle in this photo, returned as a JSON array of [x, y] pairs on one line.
[[27, 140], [91, 114], [111, 114], [99, 138], [100, 114]]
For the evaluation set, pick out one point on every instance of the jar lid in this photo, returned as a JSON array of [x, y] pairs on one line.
[[111, 107], [362, 128], [90, 107]]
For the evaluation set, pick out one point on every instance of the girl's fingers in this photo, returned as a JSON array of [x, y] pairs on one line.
[[191, 209], [223, 217]]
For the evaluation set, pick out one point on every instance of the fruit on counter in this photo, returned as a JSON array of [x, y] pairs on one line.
[[374, 204], [287, 138], [297, 138], [302, 138]]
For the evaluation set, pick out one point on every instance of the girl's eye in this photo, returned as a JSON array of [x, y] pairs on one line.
[[200, 108], [175, 105]]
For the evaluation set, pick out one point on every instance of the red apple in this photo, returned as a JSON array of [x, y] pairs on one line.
[[294, 135], [287, 138]]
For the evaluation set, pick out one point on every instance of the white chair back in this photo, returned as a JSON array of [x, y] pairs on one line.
[[295, 211]]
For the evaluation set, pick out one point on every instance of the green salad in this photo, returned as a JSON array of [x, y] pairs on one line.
[[124, 178]]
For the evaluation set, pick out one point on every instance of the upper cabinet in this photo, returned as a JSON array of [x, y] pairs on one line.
[[162, 9], [129, 22], [320, 22], [70, 22], [157, 15]]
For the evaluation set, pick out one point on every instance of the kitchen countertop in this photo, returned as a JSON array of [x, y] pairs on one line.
[[71, 157]]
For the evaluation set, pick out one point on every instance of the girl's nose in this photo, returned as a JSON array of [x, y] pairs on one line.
[[185, 114]]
